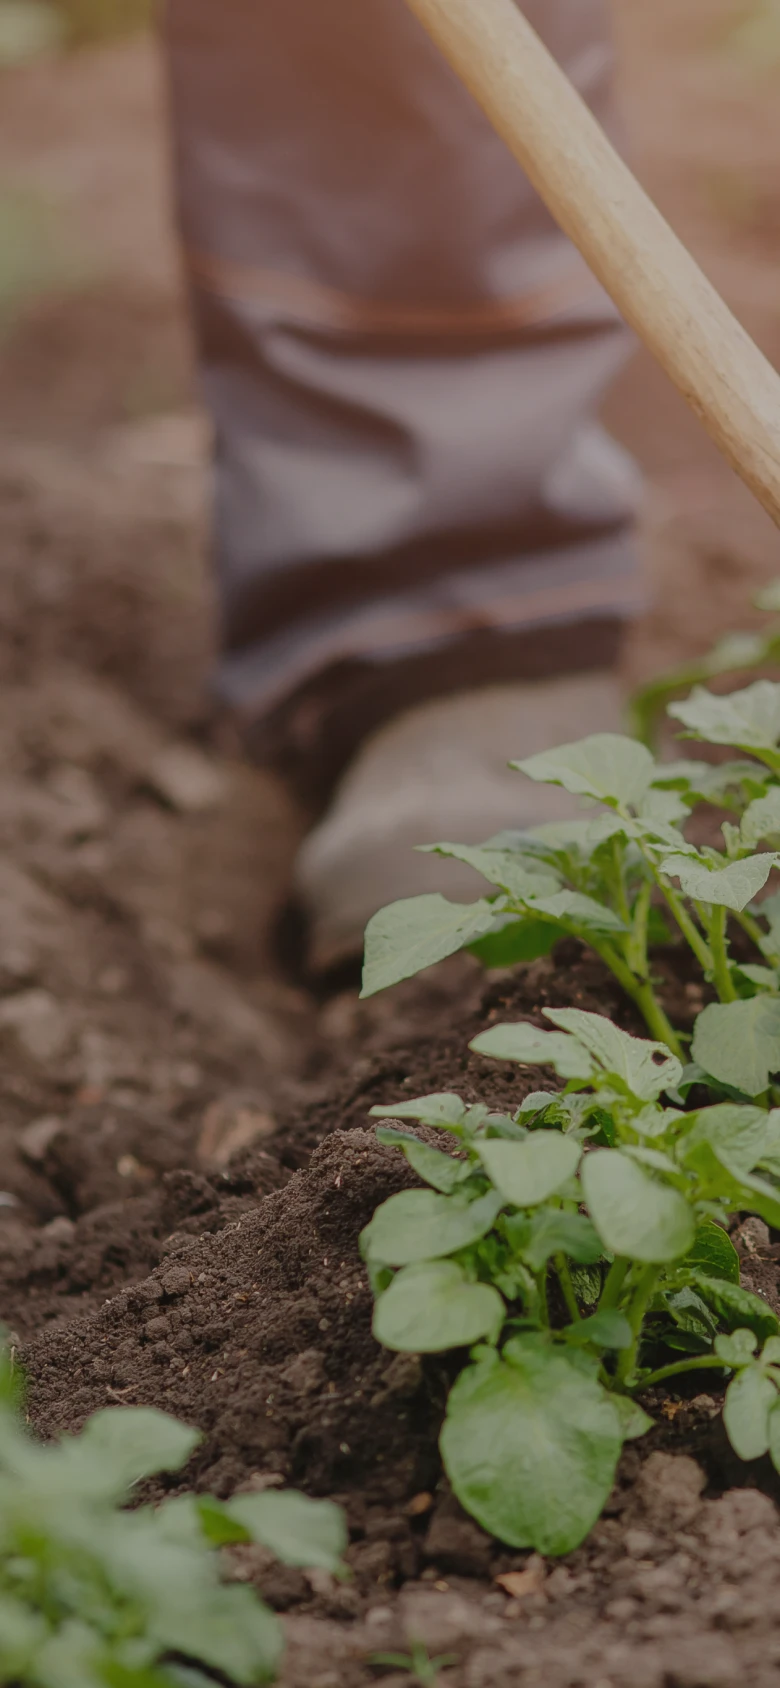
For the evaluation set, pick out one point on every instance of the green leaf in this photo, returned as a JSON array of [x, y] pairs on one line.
[[432, 1306], [528, 1173], [606, 1329], [737, 1349], [774, 1435], [504, 868], [120, 1445], [737, 1308], [645, 1068], [692, 1315], [191, 1519], [571, 908], [551, 1231], [738, 1135], [70, 1657], [437, 1169], [226, 1628], [713, 1252], [298, 1531], [727, 887], [749, 719], [764, 978], [762, 818], [606, 766], [634, 1421], [738, 1043], [750, 1398], [442, 1108], [514, 942], [634, 1214], [418, 1225], [415, 933], [529, 1046], [21, 1633], [530, 1445]]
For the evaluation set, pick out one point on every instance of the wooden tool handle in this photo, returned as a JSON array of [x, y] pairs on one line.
[[630, 247]]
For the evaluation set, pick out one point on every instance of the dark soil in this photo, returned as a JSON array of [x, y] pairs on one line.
[[255, 1326], [185, 1163]]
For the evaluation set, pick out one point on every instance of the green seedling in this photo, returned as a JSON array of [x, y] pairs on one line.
[[735, 653], [92, 1596], [625, 876], [576, 1250], [416, 1663]]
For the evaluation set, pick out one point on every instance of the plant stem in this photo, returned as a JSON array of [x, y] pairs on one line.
[[624, 911], [751, 926], [641, 992], [698, 1363], [561, 1265], [616, 1276], [688, 927], [721, 971], [643, 1295], [636, 949]]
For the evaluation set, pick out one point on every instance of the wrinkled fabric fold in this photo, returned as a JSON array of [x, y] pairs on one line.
[[402, 355]]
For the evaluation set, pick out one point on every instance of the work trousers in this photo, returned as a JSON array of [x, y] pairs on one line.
[[402, 357]]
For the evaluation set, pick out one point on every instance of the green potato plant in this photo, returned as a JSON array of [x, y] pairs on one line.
[[569, 1249], [92, 1596], [572, 1247], [625, 875], [734, 653]]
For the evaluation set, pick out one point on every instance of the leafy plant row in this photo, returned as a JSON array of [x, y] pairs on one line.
[[579, 1247], [95, 1597]]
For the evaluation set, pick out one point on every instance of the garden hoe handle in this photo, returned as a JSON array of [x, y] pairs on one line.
[[628, 245]]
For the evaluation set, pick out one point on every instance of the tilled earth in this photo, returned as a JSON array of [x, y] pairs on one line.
[[185, 1163]]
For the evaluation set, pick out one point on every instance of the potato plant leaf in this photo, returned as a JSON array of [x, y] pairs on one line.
[[748, 719], [750, 1398], [761, 818], [737, 1308], [415, 933], [574, 909], [515, 941], [504, 868], [632, 1211], [605, 1329], [738, 1043], [645, 1068], [530, 1444], [297, 1530], [550, 1231], [431, 1306], [606, 766], [527, 1173], [441, 1108], [442, 1171], [713, 1252], [419, 1225], [727, 887], [529, 1046]]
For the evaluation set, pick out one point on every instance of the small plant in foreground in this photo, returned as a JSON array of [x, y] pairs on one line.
[[95, 1597], [574, 1245], [571, 1246], [416, 1663]]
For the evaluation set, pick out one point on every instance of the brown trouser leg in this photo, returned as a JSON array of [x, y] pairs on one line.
[[402, 357]]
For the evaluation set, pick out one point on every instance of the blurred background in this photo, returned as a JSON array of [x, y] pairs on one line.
[[139, 866]]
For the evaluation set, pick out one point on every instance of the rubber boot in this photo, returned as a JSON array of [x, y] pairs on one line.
[[438, 772]]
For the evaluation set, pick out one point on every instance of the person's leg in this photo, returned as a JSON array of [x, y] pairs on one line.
[[402, 357]]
